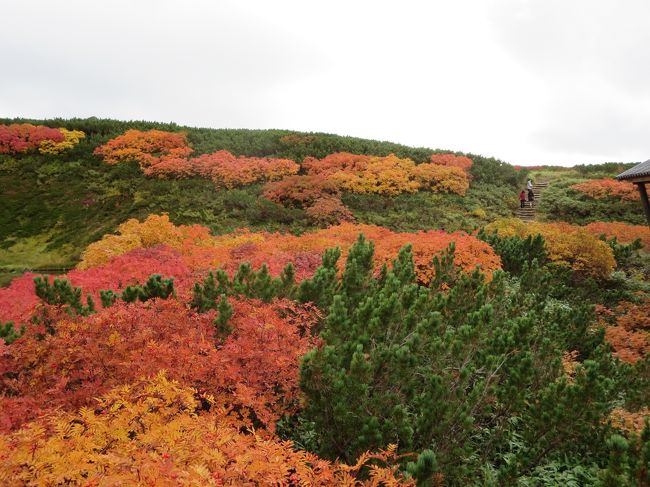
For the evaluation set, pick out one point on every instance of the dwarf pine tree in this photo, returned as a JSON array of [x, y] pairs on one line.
[[245, 282], [467, 368], [155, 287], [221, 326], [320, 289], [108, 297], [516, 251], [9, 333], [61, 293]]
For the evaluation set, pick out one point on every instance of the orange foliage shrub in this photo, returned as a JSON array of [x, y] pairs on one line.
[[569, 364], [202, 251], [627, 329], [300, 191], [165, 154], [19, 138], [608, 188], [146, 148], [329, 211], [470, 252], [336, 162], [157, 432], [229, 171], [567, 244], [358, 173], [630, 422], [623, 232], [255, 369], [452, 160]]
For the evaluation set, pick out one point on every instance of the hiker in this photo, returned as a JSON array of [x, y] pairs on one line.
[[529, 185], [522, 198], [531, 197]]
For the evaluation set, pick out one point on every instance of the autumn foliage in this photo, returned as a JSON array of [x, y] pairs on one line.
[[154, 230], [608, 188], [627, 329], [388, 175], [229, 171], [20, 138], [147, 148], [70, 139], [630, 421], [624, 233], [166, 154], [329, 211], [301, 191], [157, 246], [254, 371], [452, 160], [160, 432], [567, 244], [201, 251]]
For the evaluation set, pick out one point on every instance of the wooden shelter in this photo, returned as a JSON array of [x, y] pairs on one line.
[[639, 175]]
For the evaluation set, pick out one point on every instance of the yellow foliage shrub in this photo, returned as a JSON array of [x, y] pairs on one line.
[[567, 244], [441, 179], [384, 175], [156, 432], [389, 175], [70, 139], [155, 230]]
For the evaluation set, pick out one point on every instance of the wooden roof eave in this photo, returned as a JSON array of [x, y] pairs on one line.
[[639, 179]]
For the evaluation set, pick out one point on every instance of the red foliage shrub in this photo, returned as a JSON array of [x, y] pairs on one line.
[[18, 300], [608, 188], [255, 369], [19, 138]]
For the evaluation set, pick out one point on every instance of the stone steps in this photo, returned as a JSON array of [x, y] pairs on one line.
[[527, 213]]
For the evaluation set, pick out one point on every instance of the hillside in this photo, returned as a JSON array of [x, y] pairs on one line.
[[241, 307], [53, 207]]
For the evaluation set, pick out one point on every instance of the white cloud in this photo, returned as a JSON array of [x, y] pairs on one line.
[[526, 81]]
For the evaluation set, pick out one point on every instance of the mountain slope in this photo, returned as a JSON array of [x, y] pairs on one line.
[[54, 206]]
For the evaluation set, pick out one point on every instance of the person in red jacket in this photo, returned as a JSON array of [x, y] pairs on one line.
[[522, 198]]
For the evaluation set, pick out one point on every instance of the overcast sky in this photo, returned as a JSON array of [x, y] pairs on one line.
[[531, 82]]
